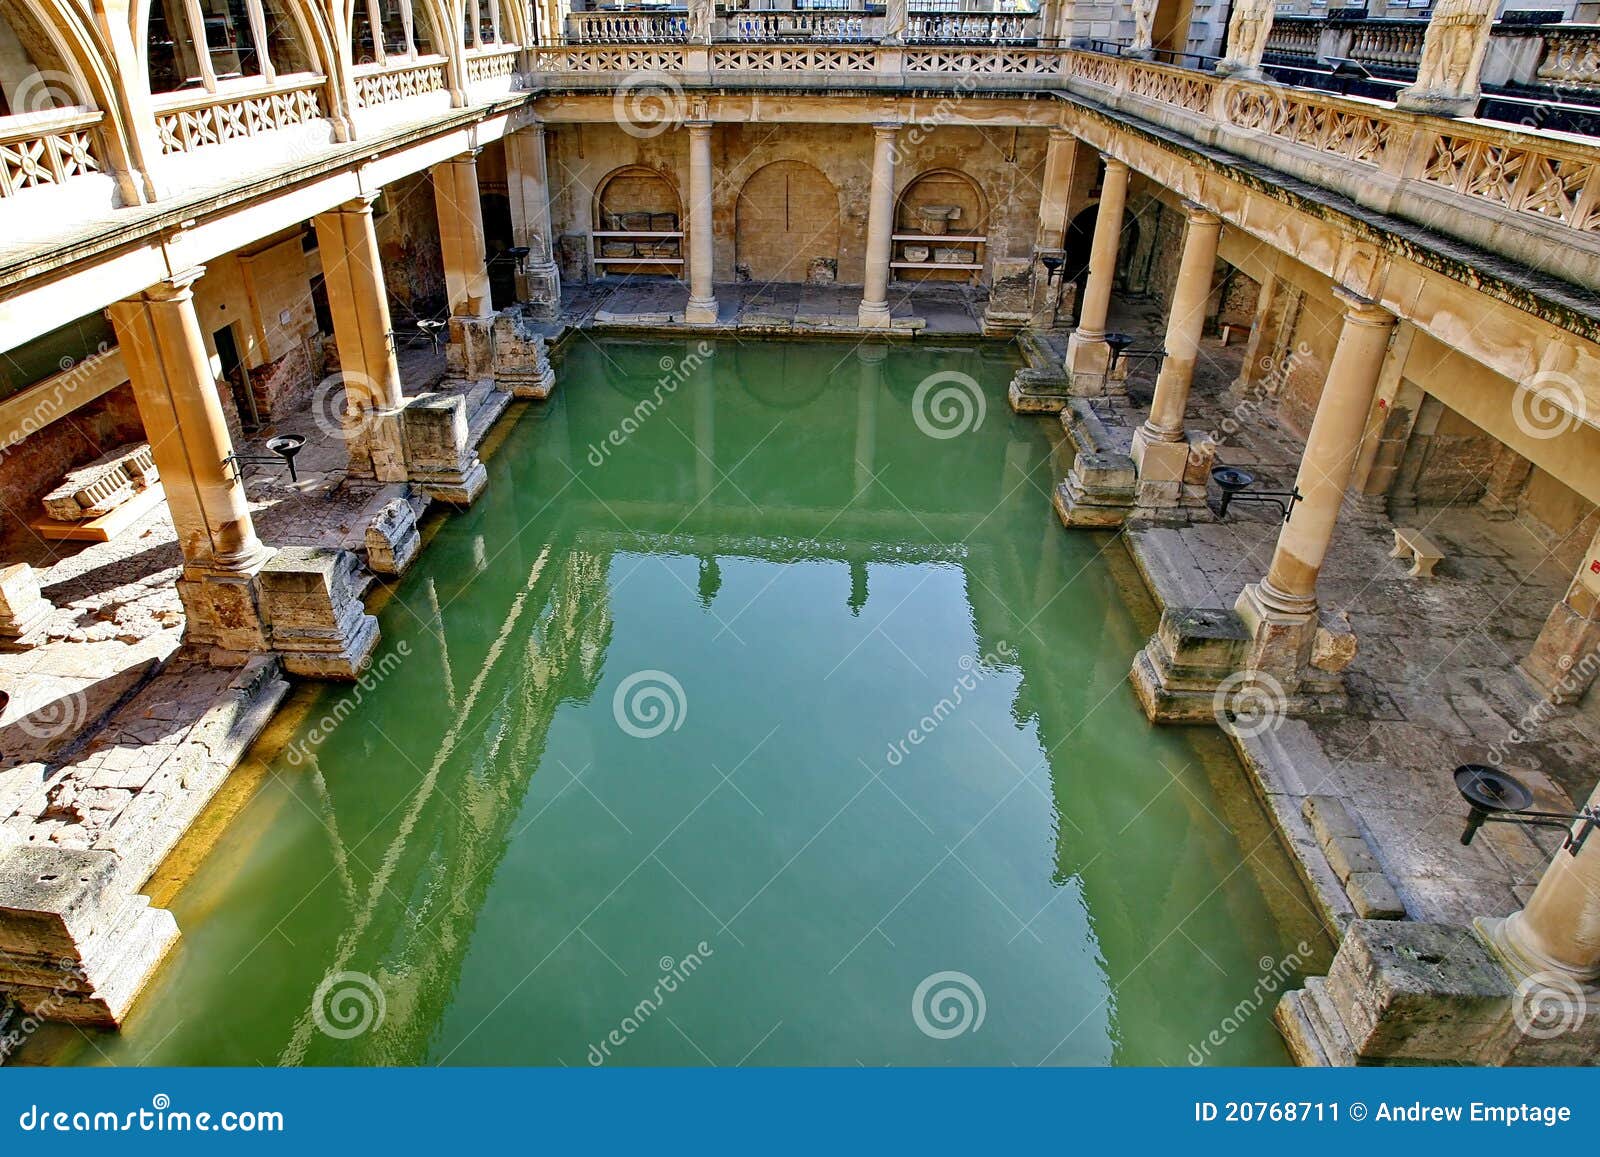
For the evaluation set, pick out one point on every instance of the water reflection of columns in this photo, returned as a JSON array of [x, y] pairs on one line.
[[705, 428], [870, 359], [436, 629]]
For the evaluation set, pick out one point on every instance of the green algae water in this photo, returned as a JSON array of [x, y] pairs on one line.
[[760, 712]]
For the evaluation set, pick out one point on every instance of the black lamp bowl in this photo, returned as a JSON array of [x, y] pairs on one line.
[[1232, 479], [1487, 788], [286, 446], [1052, 262], [1118, 342]]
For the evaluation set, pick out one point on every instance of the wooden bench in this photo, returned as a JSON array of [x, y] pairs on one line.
[[1425, 553]]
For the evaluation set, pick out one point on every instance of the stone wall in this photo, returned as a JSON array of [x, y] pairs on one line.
[[408, 239], [1305, 365], [1005, 166]]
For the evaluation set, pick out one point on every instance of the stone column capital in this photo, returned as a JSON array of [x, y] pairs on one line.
[[178, 287], [361, 206], [1061, 133], [1361, 310], [1200, 216], [1113, 165], [887, 129], [469, 157], [700, 128]]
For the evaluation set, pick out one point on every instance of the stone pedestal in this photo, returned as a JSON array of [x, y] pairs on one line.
[[1088, 365], [319, 627], [1037, 390], [470, 355], [439, 457], [1401, 993], [1098, 491], [1177, 674], [393, 540], [221, 607], [539, 284], [73, 947], [1010, 305], [521, 360], [24, 612], [1171, 473]]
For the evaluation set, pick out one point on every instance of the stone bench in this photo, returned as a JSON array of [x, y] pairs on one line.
[[1425, 553]]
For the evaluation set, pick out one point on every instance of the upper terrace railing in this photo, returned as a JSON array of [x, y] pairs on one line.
[[1365, 149], [813, 24], [48, 149]]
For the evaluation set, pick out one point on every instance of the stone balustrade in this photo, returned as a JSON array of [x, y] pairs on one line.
[[1569, 57], [377, 84], [192, 121], [626, 28], [971, 28], [48, 149]]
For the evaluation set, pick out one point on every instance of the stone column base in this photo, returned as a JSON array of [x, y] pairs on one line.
[[73, 948], [376, 445], [874, 315], [1560, 662], [1171, 473], [1010, 305], [24, 612], [319, 627], [701, 311], [222, 610], [1089, 371], [470, 355], [539, 286], [521, 358], [439, 458]]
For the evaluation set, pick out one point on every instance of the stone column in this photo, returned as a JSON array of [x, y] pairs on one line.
[[353, 272], [1559, 929], [874, 311], [176, 392], [1248, 29], [1055, 197], [466, 269], [539, 281], [1566, 655], [1280, 610], [1453, 48], [1088, 356], [702, 307], [1165, 460]]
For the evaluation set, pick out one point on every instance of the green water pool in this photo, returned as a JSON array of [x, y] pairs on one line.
[[760, 712]]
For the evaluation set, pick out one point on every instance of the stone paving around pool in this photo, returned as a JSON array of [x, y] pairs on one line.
[[1433, 684]]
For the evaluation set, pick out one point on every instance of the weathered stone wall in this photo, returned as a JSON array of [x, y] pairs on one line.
[[1568, 518], [1455, 468], [408, 238], [32, 467], [1004, 166], [1305, 365]]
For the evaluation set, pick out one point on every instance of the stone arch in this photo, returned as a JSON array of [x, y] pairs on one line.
[[785, 221], [944, 189], [299, 40], [429, 30], [638, 199]]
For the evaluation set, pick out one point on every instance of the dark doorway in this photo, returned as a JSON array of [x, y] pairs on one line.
[[497, 239], [233, 372]]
